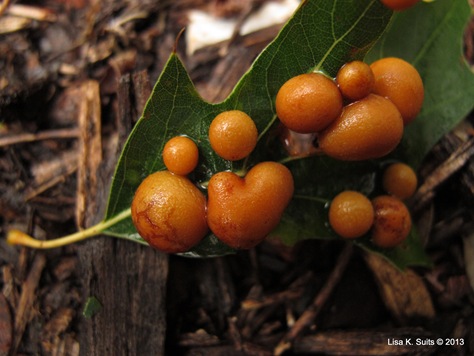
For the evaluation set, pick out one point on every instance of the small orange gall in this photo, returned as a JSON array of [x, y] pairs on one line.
[[351, 214], [355, 80], [400, 180], [233, 135], [180, 155], [392, 222]]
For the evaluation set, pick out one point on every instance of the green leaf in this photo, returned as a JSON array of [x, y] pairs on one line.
[[430, 36], [322, 35], [92, 307], [409, 253], [317, 181], [307, 215]]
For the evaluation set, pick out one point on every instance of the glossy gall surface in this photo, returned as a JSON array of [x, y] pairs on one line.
[[399, 81], [233, 135], [366, 129], [308, 102], [351, 214], [355, 80], [241, 212], [169, 212], [180, 155], [392, 222], [400, 180]]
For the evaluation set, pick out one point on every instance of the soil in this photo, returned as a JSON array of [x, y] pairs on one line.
[[74, 80]]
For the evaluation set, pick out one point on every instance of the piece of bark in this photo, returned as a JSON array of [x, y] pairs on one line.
[[5, 326], [141, 84], [128, 279], [66, 346], [47, 174], [229, 350], [90, 148], [55, 328], [469, 257]]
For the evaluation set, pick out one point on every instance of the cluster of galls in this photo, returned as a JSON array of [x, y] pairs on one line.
[[386, 217], [356, 116], [360, 114], [173, 215]]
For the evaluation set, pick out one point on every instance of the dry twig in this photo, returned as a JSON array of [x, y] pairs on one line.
[[40, 136], [313, 310], [27, 298], [458, 158]]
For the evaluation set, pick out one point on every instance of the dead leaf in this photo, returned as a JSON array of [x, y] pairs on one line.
[[403, 292]]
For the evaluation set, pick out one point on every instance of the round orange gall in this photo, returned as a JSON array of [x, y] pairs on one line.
[[308, 103], [366, 129], [351, 214], [400, 82], [180, 155], [392, 222], [169, 212], [399, 5], [241, 212], [400, 180], [355, 80], [233, 135]]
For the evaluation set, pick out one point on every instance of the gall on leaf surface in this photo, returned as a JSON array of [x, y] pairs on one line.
[[321, 35], [430, 36]]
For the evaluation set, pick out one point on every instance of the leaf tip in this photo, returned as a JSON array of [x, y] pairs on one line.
[[175, 47]]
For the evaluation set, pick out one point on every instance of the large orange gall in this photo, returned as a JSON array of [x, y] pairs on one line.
[[400, 82], [243, 211], [308, 102], [366, 129], [169, 212]]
